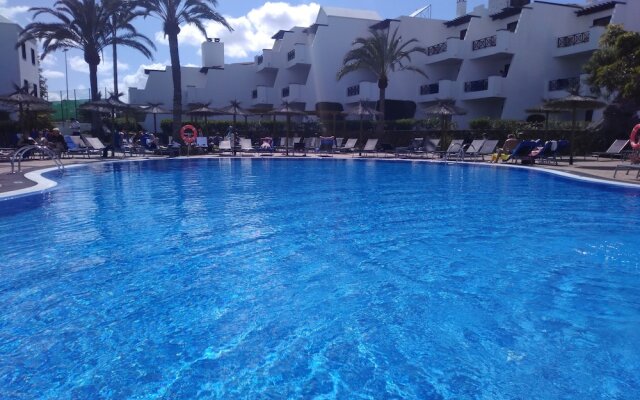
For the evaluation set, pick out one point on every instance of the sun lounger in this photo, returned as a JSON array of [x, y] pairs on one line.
[[615, 150], [73, 148], [488, 147], [349, 146], [225, 147], [327, 144], [246, 147], [202, 143], [453, 150], [369, 147], [414, 147], [471, 151], [523, 151], [94, 145]]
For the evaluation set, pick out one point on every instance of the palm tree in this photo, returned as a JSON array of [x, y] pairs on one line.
[[79, 24], [122, 15], [381, 55], [174, 13]]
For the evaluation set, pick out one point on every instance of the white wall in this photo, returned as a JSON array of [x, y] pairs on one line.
[[531, 52]]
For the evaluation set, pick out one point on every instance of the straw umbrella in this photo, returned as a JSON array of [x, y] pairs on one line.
[[22, 98], [361, 110], [234, 109], [573, 103], [445, 111], [543, 109], [155, 109], [287, 110], [204, 111], [110, 105]]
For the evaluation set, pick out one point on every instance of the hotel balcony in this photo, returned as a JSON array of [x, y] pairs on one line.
[[263, 95], [490, 87], [265, 61], [293, 93], [558, 88], [363, 91], [494, 45], [298, 56], [579, 42], [442, 90], [450, 49]]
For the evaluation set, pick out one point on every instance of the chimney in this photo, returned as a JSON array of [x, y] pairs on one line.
[[212, 53], [461, 8]]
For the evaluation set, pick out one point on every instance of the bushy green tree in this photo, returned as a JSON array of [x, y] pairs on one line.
[[614, 69]]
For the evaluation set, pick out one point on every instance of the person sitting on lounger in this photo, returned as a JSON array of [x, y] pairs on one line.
[[506, 149], [267, 143]]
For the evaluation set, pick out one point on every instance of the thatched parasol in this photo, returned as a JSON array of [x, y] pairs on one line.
[[573, 103]]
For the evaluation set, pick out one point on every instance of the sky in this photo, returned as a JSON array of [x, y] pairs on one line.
[[254, 23]]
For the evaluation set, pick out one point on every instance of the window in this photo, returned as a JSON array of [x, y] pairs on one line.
[[33, 57], [463, 33], [35, 90], [604, 21], [24, 52], [25, 85], [588, 115]]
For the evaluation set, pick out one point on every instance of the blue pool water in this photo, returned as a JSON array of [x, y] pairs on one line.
[[245, 279]]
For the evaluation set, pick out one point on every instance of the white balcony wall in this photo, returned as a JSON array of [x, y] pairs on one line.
[[585, 41], [300, 55], [264, 95], [455, 49]]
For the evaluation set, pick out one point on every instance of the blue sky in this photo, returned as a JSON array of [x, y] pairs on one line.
[[254, 22]]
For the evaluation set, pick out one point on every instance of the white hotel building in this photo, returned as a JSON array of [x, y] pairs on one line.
[[19, 65], [495, 61]]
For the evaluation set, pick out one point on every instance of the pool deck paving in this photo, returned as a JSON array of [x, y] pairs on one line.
[[602, 169]]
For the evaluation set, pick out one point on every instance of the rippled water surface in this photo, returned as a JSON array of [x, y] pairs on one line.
[[245, 279]]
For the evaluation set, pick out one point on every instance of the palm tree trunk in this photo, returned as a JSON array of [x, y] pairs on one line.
[[93, 82], [380, 122], [115, 69], [177, 83]]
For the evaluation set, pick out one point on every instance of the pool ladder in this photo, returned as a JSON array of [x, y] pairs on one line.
[[17, 156]]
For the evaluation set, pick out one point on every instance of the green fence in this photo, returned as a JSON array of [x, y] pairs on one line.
[[66, 109]]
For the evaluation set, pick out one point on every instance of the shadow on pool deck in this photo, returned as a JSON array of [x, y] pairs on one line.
[[601, 169]]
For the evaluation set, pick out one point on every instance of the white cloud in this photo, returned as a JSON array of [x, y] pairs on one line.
[[49, 61], [77, 63], [51, 74], [11, 12], [252, 32], [138, 79], [54, 96]]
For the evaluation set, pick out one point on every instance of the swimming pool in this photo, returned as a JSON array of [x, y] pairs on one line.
[[276, 278]]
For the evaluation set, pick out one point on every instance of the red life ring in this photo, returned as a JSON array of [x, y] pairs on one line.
[[633, 138], [186, 130]]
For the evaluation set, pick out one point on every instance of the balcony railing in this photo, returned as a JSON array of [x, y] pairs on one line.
[[489, 41], [437, 49], [476, 86], [572, 40], [291, 55], [432, 88], [285, 92], [260, 60], [353, 90], [564, 83]]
